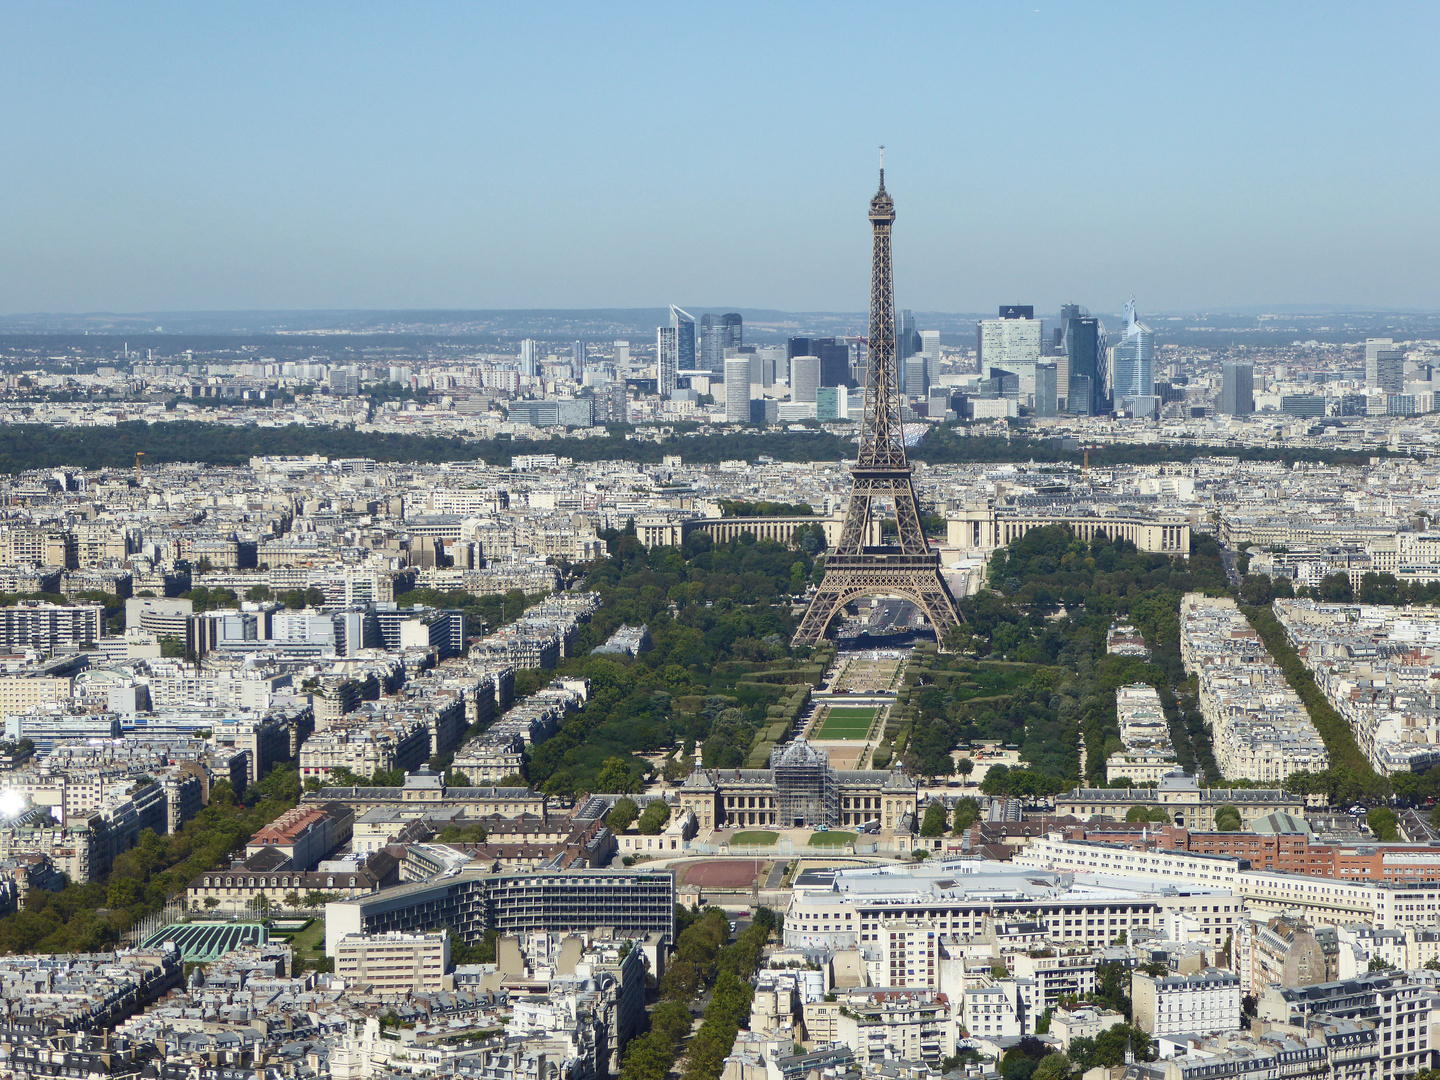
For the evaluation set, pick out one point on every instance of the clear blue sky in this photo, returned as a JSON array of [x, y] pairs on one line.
[[227, 156]]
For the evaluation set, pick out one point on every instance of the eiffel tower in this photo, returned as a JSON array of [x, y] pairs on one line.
[[881, 473]]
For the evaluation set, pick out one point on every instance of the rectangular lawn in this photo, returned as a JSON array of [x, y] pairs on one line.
[[851, 723]]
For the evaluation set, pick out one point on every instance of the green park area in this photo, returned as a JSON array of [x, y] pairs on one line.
[[846, 723], [831, 839], [754, 838]]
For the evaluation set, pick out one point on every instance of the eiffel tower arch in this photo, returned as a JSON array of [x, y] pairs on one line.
[[881, 474]]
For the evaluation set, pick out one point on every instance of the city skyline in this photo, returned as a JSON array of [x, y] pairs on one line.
[[421, 162]]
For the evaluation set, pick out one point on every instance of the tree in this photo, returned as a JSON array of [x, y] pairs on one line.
[[1052, 1066], [1379, 964], [964, 766], [967, 810], [933, 823], [1381, 822], [1336, 589], [995, 781], [622, 815], [1227, 819], [1140, 814], [654, 817], [615, 775], [259, 904]]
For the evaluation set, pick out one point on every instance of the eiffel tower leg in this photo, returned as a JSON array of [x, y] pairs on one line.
[[933, 597], [824, 605], [907, 520]]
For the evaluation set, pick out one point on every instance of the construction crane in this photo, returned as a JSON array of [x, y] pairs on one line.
[[138, 455]]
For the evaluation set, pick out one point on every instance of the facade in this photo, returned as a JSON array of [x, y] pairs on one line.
[[1237, 389], [1046, 389], [1384, 366], [667, 361], [712, 344], [683, 323], [1399, 1010], [1199, 1004], [859, 908], [804, 378], [1133, 374], [737, 390], [983, 527], [632, 902], [800, 789], [1185, 801], [47, 627], [1085, 378], [394, 964], [1011, 339]]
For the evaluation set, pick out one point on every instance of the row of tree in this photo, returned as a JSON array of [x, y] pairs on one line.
[[94, 916], [704, 960]]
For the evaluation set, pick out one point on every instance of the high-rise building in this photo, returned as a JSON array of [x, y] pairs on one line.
[[734, 330], [834, 362], [1237, 389], [1067, 312], [930, 347], [527, 359], [1085, 383], [917, 377], [907, 343], [832, 403], [737, 390], [712, 344], [1384, 365], [577, 360], [1046, 389], [683, 323], [804, 378], [667, 359], [1134, 374], [1013, 338], [619, 401], [622, 353]]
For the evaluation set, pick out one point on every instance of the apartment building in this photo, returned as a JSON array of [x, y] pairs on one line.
[[1182, 799], [394, 964], [1147, 754], [32, 624], [1205, 1002], [1378, 667], [1398, 1009], [1261, 729]]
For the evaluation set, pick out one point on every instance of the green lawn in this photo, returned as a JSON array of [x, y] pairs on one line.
[[831, 839], [312, 938], [755, 838], [851, 723]]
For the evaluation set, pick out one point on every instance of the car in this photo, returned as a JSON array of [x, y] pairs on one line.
[[733, 927]]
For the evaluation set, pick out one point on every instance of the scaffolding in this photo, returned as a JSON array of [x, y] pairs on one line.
[[806, 794]]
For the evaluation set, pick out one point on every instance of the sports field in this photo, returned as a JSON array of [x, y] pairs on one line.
[[846, 723]]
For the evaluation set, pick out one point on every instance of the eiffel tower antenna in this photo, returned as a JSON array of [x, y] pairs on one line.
[[881, 472]]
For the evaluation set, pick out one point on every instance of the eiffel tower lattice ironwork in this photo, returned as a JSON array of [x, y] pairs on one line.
[[882, 473]]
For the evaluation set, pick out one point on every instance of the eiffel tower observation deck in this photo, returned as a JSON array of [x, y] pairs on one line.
[[882, 476]]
